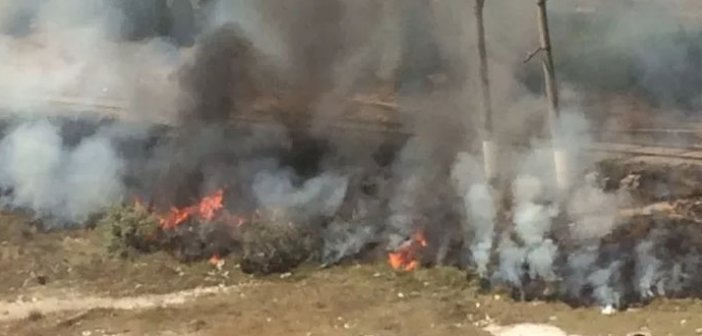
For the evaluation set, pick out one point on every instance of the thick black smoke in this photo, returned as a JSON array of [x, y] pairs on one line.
[[223, 78], [353, 194]]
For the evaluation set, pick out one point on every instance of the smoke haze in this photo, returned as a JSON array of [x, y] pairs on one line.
[[65, 184], [203, 67]]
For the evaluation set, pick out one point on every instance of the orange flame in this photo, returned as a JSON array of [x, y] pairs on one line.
[[205, 210], [405, 258], [209, 205], [215, 259]]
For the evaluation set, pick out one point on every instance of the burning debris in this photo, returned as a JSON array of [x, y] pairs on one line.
[[203, 211], [406, 257]]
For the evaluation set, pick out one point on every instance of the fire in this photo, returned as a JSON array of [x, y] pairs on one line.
[[209, 205], [215, 259], [405, 258], [205, 210]]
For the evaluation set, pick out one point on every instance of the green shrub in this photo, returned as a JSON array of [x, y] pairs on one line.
[[274, 243], [130, 229]]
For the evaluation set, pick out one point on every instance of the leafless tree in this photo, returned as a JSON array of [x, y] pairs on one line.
[[551, 88], [489, 145]]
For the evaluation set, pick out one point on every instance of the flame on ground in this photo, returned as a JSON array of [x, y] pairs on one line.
[[216, 260], [405, 258], [204, 210]]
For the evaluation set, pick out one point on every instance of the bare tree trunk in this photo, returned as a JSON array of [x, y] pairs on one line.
[[559, 155], [489, 144]]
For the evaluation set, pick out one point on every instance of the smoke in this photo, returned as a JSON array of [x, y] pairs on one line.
[[605, 282], [550, 235], [93, 177], [321, 195], [532, 224], [647, 270], [592, 211], [412, 197], [511, 262], [63, 185], [344, 239], [34, 154], [610, 50], [579, 264], [480, 208], [305, 60], [359, 223], [73, 51], [220, 80]]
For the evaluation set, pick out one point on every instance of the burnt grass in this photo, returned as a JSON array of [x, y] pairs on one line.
[[278, 242], [652, 182], [274, 244], [35, 259]]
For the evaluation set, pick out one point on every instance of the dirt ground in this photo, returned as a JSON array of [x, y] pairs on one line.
[[64, 284]]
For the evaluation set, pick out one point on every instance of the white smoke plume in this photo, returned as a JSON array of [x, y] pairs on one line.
[[511, 262], [70, 50], [343, 239], [592, 210], [483, 213], [607, 285], [480, 209], [532, 224], [579, 264], [32, 157], [648, 270], [65, 185], [320, 195]]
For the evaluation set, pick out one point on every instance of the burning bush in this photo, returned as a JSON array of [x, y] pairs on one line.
[[199, 231], [405, 257], [129, 229], [189, 233], [276, 243]]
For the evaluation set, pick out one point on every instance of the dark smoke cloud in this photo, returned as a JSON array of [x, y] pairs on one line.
[[222, 78], [355, 194]]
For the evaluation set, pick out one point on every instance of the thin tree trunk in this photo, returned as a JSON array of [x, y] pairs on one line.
[[548, 67], [560, 157], [489, 145]]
